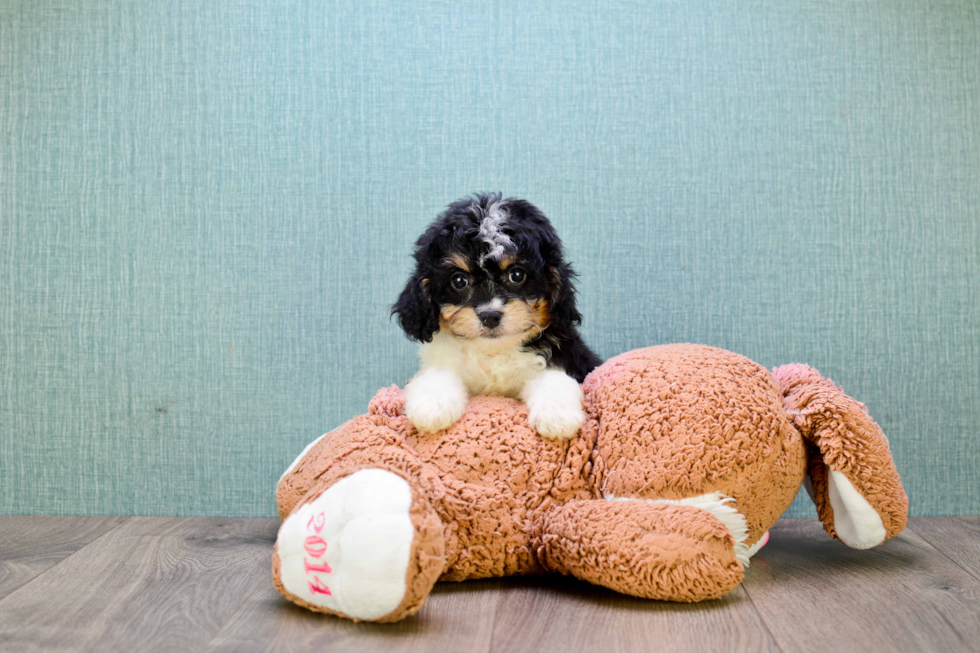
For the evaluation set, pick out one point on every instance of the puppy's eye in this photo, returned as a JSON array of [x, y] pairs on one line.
[[459, 281], [517, 276]]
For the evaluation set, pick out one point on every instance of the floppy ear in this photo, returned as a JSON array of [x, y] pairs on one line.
[[852, 476], [562, 304], [416, 313]]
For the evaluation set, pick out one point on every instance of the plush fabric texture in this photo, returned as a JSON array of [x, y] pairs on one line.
[[426, 559], [489, 473], [653, 551], [675, 405], [667, 423], [845, 439]]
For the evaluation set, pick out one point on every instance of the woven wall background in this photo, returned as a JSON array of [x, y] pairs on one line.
[[207, 207]]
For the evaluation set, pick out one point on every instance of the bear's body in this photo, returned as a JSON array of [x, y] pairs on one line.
[[688, 456]]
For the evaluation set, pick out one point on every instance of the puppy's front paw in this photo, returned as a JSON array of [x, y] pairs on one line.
[[556, 420], [435, 399], [554, 402], [431, 413]]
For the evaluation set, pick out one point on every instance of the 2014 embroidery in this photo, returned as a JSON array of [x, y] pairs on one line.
[[316, 547]]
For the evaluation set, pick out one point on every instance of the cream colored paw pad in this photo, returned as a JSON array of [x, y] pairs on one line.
[[349, 549]]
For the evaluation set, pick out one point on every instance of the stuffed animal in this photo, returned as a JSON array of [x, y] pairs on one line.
[[688, 456]]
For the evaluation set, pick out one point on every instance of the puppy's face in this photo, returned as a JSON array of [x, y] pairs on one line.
[[479, 297], [487, 268]]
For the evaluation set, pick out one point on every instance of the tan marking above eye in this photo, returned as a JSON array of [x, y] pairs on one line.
[[459, 261], [506, 262]]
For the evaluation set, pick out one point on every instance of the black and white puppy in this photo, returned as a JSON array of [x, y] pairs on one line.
[[492, 302]]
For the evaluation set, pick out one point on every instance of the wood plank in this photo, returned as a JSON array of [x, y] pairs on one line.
[[31, 544], [958, 538], [456, 617], [564, 615], [815, 594], [182, 584], [150, 584]]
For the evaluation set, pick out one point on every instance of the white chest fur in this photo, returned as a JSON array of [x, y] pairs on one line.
[[496, 367]]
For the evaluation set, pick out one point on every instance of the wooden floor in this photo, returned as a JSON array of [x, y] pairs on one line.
[[149, 584]]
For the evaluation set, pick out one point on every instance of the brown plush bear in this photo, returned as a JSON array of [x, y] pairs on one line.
[[688, 456]]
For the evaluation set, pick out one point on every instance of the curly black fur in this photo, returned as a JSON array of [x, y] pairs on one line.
[[522, 234]]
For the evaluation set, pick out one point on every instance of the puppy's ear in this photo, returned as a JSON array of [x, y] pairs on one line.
[[561, 285], [416, 313]]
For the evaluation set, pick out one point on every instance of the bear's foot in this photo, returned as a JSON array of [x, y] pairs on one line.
[[650, 550], [365, 548]]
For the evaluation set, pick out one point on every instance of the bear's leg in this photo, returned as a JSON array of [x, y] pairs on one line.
[[367, 546], [649, 550], [853, 479]]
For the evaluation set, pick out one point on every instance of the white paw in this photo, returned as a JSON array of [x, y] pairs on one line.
[[554, 402], [435, 399], [349, 549], [556, 420]]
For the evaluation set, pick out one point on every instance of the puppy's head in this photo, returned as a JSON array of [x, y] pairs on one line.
[[488, 268]]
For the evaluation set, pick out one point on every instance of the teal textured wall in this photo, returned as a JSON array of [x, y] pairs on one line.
[[207, 207]]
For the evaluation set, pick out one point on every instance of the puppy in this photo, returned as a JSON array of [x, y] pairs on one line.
[[492, 302]]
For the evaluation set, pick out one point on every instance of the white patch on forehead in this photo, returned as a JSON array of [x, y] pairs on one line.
[[491, 232]]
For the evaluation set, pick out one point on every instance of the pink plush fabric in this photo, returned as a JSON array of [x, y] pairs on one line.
[[491, 497]]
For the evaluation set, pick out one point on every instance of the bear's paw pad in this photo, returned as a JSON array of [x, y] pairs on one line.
[[349, 549]]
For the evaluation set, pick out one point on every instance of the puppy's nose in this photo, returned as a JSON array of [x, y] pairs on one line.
[[490, 318]]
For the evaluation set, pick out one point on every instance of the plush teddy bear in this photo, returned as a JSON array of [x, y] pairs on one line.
[[688, 456]]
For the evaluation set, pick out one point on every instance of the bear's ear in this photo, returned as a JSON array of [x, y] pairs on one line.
[[417, 314]]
